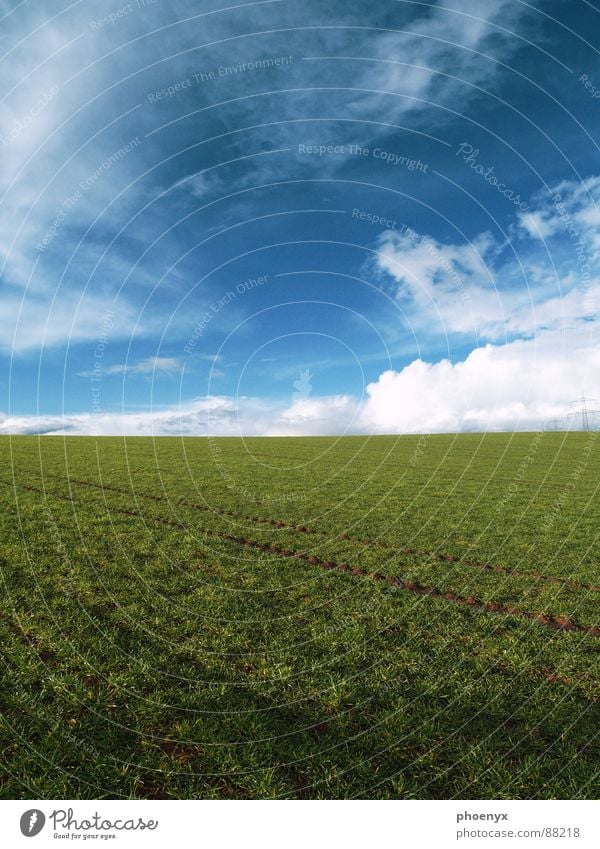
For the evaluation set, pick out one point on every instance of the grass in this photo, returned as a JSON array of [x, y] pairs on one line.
[[391, 617]]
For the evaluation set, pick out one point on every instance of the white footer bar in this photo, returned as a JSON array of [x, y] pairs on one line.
[[302, 824]]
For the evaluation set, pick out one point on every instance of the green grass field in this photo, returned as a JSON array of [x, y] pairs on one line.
[[388, 617]]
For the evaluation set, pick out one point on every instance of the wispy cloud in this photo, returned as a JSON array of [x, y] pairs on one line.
[[483, 289], [570, 208], [154, 366], [91, 228], [33, 320]]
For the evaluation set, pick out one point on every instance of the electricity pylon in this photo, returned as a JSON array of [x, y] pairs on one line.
[[584, 411]]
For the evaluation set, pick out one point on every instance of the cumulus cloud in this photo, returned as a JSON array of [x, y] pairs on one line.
[[459, 289], [317, 416], [540, 224], [443, 288], [522, 385]]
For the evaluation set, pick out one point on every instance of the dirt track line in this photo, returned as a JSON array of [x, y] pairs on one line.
[[304, 529], [559, 623]]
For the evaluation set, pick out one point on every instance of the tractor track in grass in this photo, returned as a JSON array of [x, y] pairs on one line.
[[50, 659], [439, 557], [559, 623]]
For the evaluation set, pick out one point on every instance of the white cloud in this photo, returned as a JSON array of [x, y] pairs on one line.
[[35, 321], [474, 289], [414, 55], [47, 61], [425, 268], [445, 288], [458, 41], [571, 209], [196, 417], [521, 385], [148, 366], [317, 416], [212, 415], [539, 224]]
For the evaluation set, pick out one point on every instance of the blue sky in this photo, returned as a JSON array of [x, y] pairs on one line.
[[284, 218]]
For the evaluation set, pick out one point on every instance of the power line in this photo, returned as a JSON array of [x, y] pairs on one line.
[[584, 411]]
